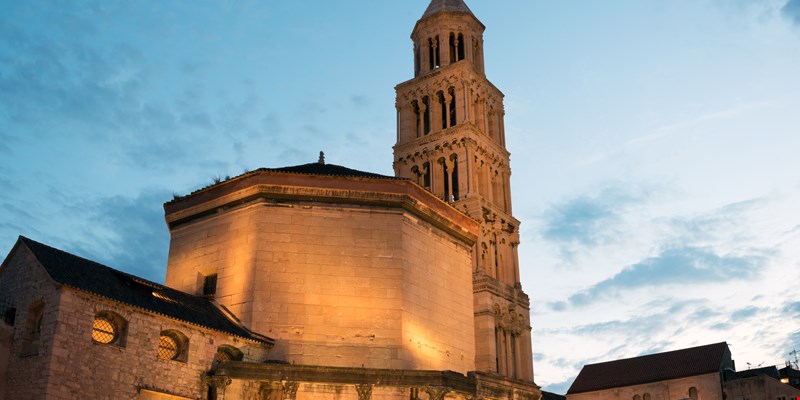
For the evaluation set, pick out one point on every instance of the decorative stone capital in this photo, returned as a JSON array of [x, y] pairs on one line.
[[264, 390], [364, 392], [289, 389], [436, 393]]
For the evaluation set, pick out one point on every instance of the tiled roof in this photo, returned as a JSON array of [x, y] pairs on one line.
[[438, 6], [319, 169], [651, 368], [328, 170], [749, 373], [91, 277]]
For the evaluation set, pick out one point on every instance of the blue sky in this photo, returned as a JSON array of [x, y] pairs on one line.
[[654, 144]]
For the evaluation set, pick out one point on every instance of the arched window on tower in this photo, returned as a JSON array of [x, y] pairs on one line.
[[693, 393], [443, 108], [454, 176], [418, 118], [452, 93], [446, 181], [433, 46], [426, 115], [415, 173], [460, 47], [453, 47], [426, 176], [416, 59]]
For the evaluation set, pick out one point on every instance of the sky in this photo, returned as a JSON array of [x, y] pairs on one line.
[[654, 145]]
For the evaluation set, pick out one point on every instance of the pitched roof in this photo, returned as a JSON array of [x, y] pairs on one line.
[[91, 277], [439, 6], [328, 170], [651, 368], [317, 168]]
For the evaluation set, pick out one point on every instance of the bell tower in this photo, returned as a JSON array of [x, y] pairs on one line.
[[451, 141]]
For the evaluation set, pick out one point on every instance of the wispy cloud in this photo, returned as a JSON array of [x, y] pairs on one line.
[[125, 233], [672, 266], [791, 10], [589, 220]]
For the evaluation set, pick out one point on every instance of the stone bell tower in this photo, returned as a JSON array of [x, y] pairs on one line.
[[451, 141]]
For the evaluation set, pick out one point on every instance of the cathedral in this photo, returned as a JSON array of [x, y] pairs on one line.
[[313, 281]]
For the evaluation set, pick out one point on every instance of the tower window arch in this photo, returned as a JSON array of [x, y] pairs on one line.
[[418, 118], [453, 42], [454, 176], [433, 48], [446, 185], [693, 393], [426, 176], [426, 115], [443, 107], [460, 47], [452, 107]]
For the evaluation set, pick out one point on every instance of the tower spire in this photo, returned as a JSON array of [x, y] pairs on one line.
[[440, 6]]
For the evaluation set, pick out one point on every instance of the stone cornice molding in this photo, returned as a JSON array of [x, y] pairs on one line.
[[276, 188]]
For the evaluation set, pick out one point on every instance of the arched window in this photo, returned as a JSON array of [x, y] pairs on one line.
[[109, 328], [416, 59], [33, 329], [452, 93], [426, 176], [460, 47], [173, 345], [426, 115], [693, 393], [445, 180], [637, 397], [229, 353], [418, 119], [433, 46], [646, 396], [443, 108], [454, 176], [453, 48]]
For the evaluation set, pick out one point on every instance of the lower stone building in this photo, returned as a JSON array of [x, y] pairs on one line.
[[698, 373]]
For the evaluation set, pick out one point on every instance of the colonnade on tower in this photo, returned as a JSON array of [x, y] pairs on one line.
[[451, 141]]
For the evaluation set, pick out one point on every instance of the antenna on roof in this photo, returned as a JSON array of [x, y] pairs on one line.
[[321, 158], [794, 353]]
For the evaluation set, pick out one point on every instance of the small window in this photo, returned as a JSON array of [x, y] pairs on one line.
[[9, 316], [646, 396], [637, 397], [109, 328], [229, 353], [167, 347], [693, 393], [103, 331], [173, 345], [210, 285]]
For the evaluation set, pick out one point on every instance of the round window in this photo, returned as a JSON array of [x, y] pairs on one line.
[[103, 331]]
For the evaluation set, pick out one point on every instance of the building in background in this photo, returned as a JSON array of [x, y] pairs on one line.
[[697, 373], [308, 282]]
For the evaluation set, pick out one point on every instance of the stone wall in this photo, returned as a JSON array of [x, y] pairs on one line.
[[336, 284]]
